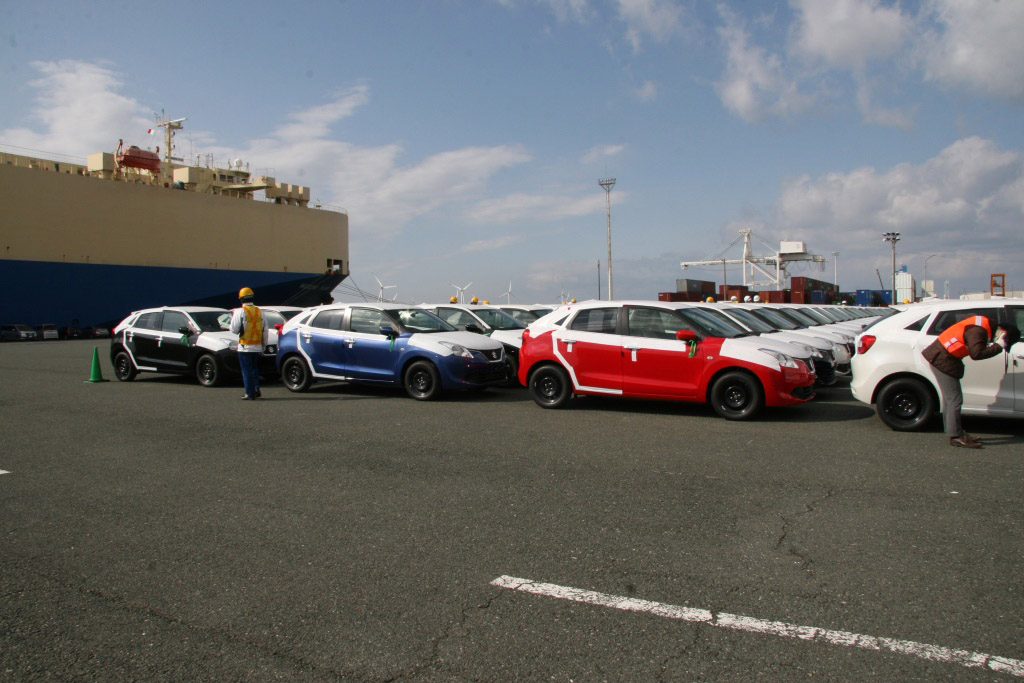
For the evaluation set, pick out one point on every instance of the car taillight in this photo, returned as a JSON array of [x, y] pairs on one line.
[[865, 343]]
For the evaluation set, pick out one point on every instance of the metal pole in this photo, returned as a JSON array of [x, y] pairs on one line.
[[598, 279], [893, 238], [608, 184]]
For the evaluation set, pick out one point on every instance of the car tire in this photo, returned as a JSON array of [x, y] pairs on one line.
[[550, 387], [124, 369], [208, 370], [295, 374], [905, 405], [736, 396], [422, 381]]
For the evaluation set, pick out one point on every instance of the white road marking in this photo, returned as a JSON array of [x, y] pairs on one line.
[[4, 472], [934, 653]]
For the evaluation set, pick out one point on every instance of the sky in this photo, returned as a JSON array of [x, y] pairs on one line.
[[466, 138]]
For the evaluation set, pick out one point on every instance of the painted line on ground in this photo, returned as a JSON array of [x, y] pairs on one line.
[[934, 653], [4, 472]]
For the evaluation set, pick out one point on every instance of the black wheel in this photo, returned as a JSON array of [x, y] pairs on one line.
[[295, 374], [550, 387], [208, 370], [422, 381], [124, 370], [736, 396], [905, 405], [512, 371]]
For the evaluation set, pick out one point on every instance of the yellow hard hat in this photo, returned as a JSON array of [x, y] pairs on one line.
[[474, 300], [244, 292], [453, 300], [711, 300]]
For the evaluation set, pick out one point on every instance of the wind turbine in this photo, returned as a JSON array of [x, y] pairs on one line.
[[508, 294], [461, 292], [380, 295]]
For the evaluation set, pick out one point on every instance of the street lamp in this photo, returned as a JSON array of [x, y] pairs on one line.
[[835, 258], [926, 270], [892, 237], [608, 184]]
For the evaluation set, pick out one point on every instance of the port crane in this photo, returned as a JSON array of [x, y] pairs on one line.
[[787, 253]]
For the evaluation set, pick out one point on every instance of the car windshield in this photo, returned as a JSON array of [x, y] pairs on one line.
[[797, 317], [726, 320], [498, 320], [820, 318], [712, 324], [418, 320], [773, 318], [211, 321], [24, 328], [750, 320], [274, 318]]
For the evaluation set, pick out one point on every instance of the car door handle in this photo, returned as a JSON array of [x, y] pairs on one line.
[[351, 342], [307, 336], [632, 348]]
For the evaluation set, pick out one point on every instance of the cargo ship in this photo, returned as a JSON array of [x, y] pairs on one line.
[[130, 229]]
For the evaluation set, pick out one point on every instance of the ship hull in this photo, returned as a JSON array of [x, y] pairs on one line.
[[37, 292]]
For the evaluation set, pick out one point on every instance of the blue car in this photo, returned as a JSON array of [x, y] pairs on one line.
[[389, 345]]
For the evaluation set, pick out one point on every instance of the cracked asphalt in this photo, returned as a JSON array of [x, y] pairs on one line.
[[160, 531]]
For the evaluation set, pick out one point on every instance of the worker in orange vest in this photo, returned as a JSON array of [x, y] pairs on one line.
[[968, 337], [249, 323]]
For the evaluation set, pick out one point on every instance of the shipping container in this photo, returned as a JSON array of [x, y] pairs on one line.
[[695, 286], [818, 297], [780, 296], [797, 298]]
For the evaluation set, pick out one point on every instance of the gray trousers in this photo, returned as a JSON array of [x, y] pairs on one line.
[[953, 400]]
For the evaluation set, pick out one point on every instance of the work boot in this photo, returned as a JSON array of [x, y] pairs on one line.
[[971, 437], [961, 442]]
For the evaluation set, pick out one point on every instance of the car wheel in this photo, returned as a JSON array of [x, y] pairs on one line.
[[422, 381], [736, 396], [905, 405], [124, 370], [550, 387], [295, 374], [208, 370]]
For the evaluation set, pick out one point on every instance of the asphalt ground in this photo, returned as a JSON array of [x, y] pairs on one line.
[[160, 531]]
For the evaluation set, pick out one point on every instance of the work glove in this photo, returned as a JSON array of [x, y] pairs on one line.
[[1003, 341]]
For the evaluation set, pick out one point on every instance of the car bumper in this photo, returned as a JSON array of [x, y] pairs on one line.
[[463, 373]]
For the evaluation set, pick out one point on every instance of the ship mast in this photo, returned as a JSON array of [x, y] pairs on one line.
[[169, 127]]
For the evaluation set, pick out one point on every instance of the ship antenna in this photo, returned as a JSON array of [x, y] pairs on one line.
[[169, 127]]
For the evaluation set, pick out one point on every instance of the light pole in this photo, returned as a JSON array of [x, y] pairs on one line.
[[892, 237], [835, 259], [926, 269], [608, 184], [598, 279]]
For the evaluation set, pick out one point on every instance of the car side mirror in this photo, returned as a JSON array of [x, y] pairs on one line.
[[686, 335], [184, 330], [474, 328], [388, 331]]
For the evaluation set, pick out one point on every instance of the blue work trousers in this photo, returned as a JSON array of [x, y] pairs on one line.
[[249, 364]]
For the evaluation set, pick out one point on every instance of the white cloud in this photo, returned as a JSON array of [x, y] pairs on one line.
[[81, 111], [658, 19], [602, 151], [521, 207], [316, 121], [849, 33], [647, 92], [494, 243], [755, 84], [977, 45], [968, 199]]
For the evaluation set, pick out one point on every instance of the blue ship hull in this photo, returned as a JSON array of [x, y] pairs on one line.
[[38, 292]]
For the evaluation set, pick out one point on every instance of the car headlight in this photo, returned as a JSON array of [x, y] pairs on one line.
[[457, 349], [233, 345], [781, 358]]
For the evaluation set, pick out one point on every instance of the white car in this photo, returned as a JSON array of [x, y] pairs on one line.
[[486, 320], [890, 372]]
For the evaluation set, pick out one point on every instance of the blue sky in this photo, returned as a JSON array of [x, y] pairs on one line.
[[465, 138]]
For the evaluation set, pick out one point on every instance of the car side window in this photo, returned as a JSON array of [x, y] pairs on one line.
[[328, 320], [596, 320], [946, 318], [173, 320], [149, 321], [917, 325], [655, 323], [1015, 317], [367, 320]]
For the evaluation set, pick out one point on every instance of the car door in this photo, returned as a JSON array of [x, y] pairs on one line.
[[370, 355], [1015, 371], [654, 362], [322, 342], [984, 384], [591, 349], [172, 346], [143, 338]]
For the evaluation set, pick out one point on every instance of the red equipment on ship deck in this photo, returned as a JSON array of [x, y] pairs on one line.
[[136, 157]]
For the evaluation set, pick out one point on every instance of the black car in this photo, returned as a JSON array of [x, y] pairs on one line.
[[192, 340]]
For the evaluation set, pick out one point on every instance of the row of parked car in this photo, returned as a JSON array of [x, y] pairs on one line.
[[50, 332], [738, 357]]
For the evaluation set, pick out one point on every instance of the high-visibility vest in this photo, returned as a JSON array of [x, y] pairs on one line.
[[252, 333], [953, 338]]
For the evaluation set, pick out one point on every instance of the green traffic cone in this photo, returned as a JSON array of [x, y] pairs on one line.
[[97, 373]]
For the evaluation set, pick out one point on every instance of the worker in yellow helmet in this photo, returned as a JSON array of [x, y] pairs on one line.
[[249, 323]]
